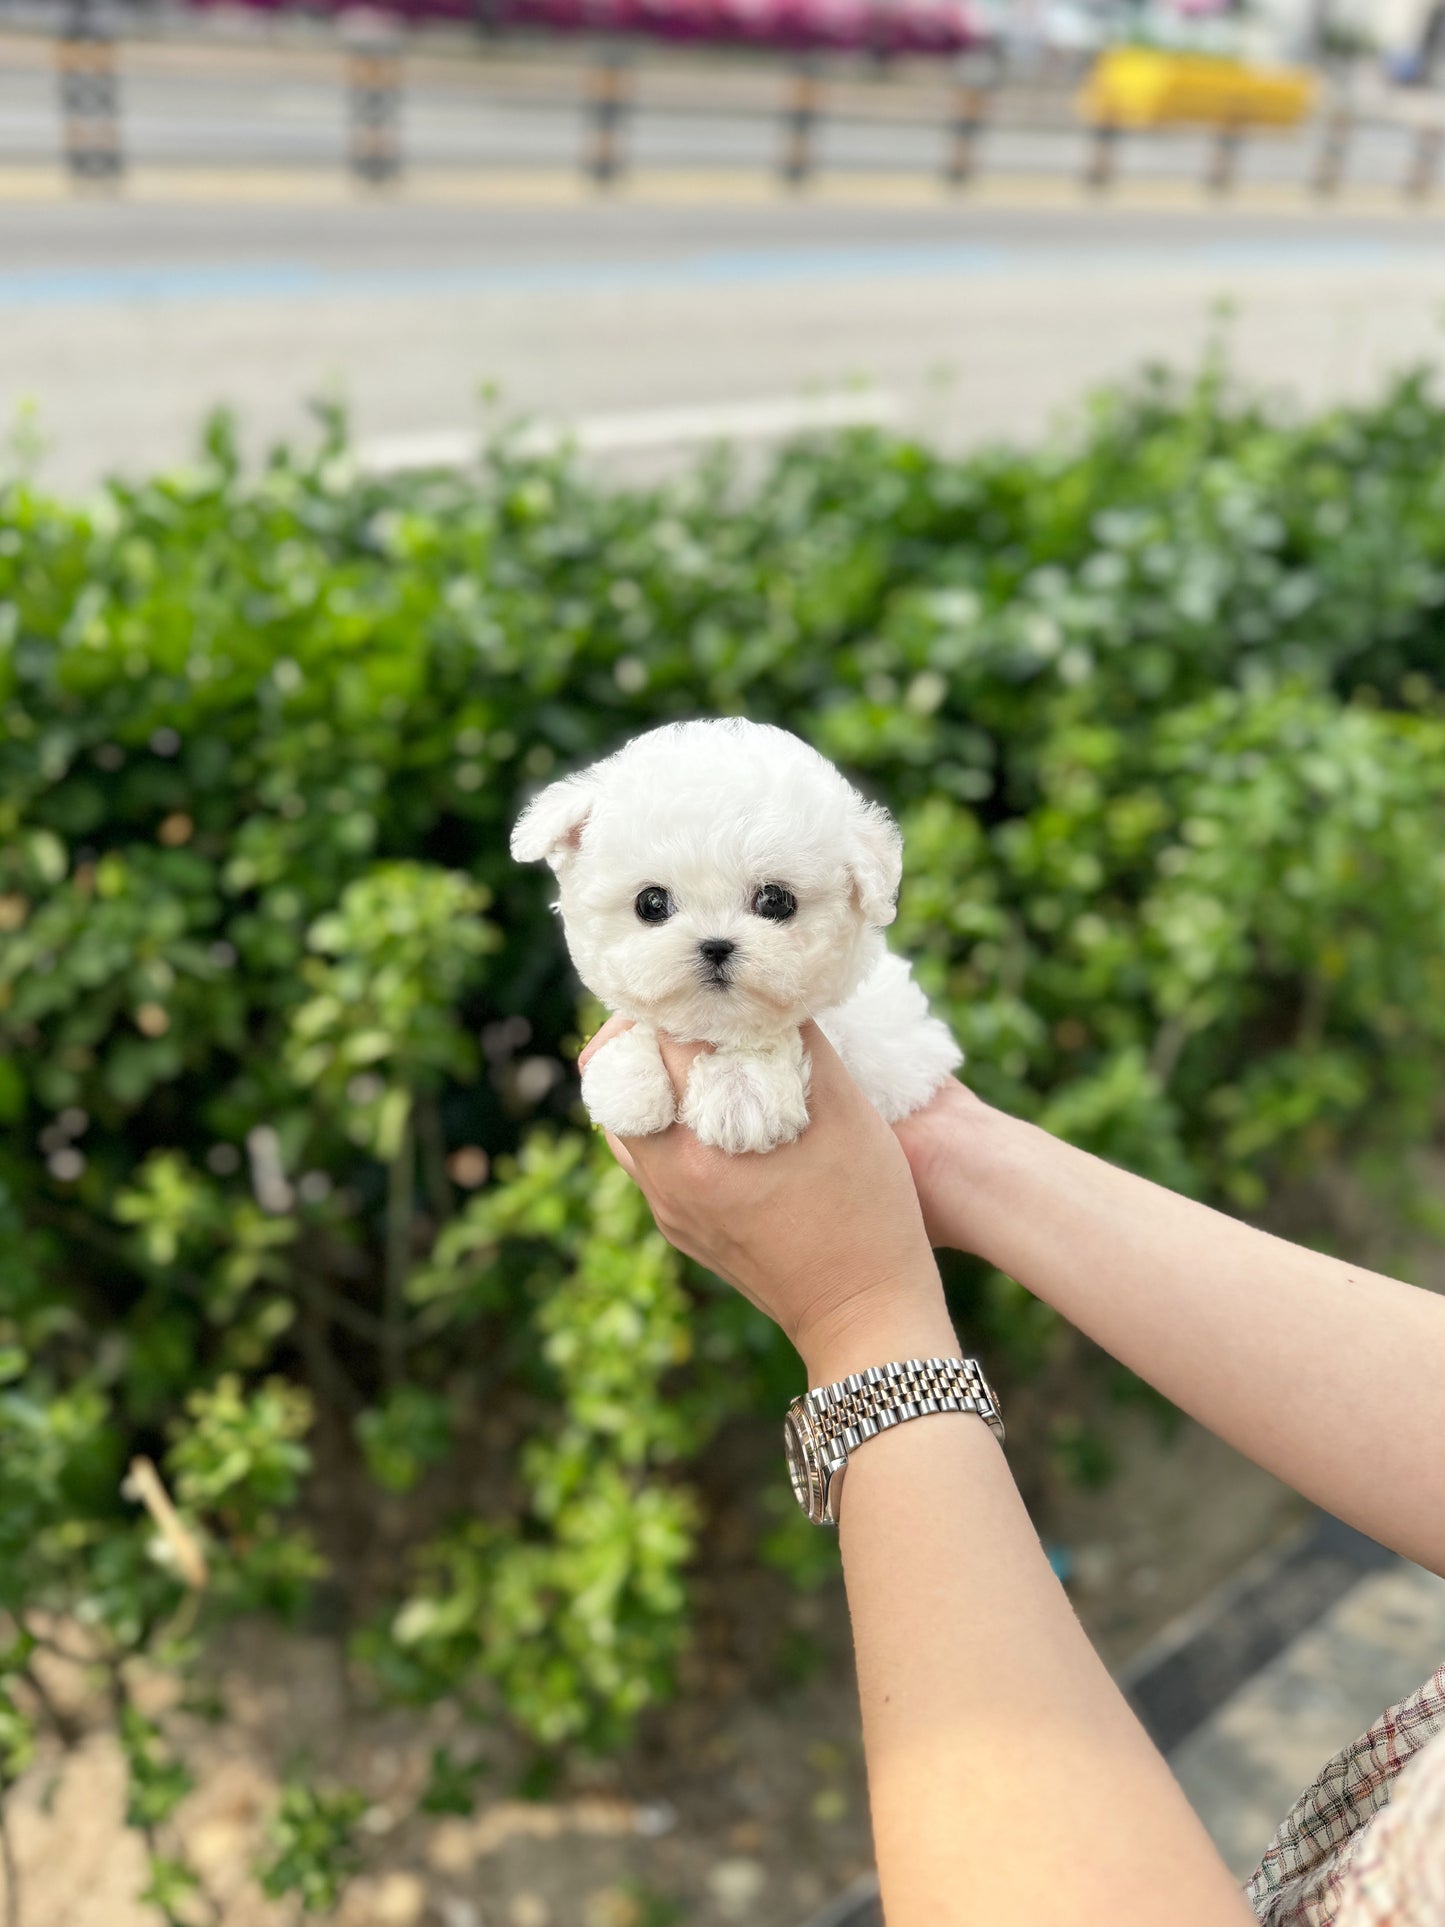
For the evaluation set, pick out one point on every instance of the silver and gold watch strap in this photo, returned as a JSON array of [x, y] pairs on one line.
[[865, 1403], [827, 1424]]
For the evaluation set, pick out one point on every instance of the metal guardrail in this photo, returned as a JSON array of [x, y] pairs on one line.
[[89, 97], [373, 84], [371, 69]]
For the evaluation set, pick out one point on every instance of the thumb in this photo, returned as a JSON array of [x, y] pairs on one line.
[[614, 1027], [679, 1059], [828, 1070]]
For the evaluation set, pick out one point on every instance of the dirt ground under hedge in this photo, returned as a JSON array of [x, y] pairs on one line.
[[742, 1801]]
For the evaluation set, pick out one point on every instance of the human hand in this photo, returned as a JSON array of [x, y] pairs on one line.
[[824, 1234]]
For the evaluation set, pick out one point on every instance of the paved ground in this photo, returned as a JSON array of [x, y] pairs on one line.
[[239, 263], [1243, 1769], [123, 321]]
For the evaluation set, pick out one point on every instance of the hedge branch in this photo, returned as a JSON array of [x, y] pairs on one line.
[[400, 1204], [65, 1725], [145, 1484], [8, 1867], [440, 1195]]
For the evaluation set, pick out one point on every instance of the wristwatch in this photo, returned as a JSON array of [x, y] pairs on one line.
[[826, 1425]]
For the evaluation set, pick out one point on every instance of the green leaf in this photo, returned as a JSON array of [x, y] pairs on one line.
[[313, 1851], [411, 1430], [451, 1784], [171, 1886]]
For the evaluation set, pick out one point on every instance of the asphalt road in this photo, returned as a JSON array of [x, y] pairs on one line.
[[121, 322]]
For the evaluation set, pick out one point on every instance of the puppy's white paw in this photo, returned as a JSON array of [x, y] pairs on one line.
[[745, 1103], [626, 1087]]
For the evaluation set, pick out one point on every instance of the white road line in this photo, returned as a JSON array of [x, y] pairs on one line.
[[643, 428], [437, 448]]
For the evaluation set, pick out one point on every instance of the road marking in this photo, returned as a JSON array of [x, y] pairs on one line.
[[763, 420], [761, 266]]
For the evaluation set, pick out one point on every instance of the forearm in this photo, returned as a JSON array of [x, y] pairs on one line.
[[1008, 1779], [1330, 1376]]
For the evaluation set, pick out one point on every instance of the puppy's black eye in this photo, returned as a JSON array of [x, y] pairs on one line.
[[653, 905], [775, 903]]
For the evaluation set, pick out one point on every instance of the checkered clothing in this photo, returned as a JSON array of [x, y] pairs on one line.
[[1364, 1846]]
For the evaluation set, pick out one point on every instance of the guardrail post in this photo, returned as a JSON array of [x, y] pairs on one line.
[[373, 78], [89, 97], [1330, 167], [1424, 161], [606, 109], [1224, 158], [1101, 163], [800, 118], [970, 112]]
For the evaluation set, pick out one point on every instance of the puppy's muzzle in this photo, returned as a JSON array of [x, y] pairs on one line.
[[715, 952]]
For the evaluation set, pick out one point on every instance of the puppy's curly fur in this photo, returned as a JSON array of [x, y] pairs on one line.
[[722, 881]]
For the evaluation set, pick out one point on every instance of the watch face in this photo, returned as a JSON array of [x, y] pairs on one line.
[[803, 1467]]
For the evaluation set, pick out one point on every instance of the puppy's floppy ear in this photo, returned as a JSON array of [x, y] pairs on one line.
[[551, 825], [875, 862]]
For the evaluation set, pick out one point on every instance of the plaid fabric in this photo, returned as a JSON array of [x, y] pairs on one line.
[[1397, 1879], [1333, 1863]]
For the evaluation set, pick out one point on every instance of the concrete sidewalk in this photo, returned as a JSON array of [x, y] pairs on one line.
[[1245, 1766], [125, 322]]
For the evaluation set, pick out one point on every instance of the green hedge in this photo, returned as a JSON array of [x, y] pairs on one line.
[[293, 1173]]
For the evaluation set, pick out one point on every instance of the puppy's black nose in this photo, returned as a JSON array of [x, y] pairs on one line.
[[717, 950]]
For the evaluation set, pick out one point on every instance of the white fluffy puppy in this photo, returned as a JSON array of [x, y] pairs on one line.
[[722, 881]]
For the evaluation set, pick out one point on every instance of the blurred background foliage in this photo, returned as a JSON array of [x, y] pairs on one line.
[[295, 1195]]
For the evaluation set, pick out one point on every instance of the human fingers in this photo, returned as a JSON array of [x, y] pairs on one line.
[[832, 1087], [614, 1027], [674, 1235], [679, 1059], [825, 1060]]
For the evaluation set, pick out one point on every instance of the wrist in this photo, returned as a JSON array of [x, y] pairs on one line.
[[906, 1318], [962, 1169]]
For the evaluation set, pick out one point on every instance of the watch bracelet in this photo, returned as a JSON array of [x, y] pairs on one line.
[[874, 1400]]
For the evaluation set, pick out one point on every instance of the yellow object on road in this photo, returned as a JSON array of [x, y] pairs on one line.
[[1148, 87]]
